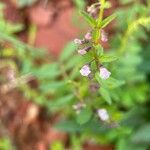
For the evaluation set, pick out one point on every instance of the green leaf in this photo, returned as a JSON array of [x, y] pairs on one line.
[[84, 116], [88, 18], [107, 20], [68, 51], [50, 87], [60, 102], [113, 83], [107, 58], [142, 135], [68, 126], [80, 4], [105, 94], [99, 50], [49, 71]]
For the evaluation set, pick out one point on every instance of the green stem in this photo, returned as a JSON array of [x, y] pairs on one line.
[[101, 13], [97, 30]]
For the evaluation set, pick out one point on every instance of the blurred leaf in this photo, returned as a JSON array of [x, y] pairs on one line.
[[125, 144], [50, 87], [88, 18], [93, 126], [68, 51], [60, 102], [107, 58], [105, 94], [99, 50], [84, 116], [57, 145], [5, 144], [107, 20], [142, 135], [113, 83], [49, 71], [74, 61], [80, 4]]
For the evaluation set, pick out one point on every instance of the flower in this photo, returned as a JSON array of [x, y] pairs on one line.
[[103, 114], [84, 50], [85, 70], [104, 73], [78, 41], [104, 36], [88, 36], [90, 9]]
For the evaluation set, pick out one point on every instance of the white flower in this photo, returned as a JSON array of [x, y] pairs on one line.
[[77, 41], [104, 36], [103, 114], [90, 9], [85, 70], [104, 73], [82, 51], [88, 36]]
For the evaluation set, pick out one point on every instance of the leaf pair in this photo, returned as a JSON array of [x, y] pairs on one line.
[[93, 23]]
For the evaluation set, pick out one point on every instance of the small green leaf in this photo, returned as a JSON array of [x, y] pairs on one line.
[[113, 83], [68, 51], [99, 50], [88, 18], [60, 102], [107, 20], [53, 86], [105, 94], [49, 71], [108, 58], [84, 116], [142, 135]]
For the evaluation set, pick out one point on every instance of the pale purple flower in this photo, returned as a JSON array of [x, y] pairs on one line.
[[82, 51], [78, 41], [104, 73], [85, 70], [104, 36], [103, 114], [90, 9], [88, 36]]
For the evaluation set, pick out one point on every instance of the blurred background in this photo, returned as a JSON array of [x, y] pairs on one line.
[[38, 67]]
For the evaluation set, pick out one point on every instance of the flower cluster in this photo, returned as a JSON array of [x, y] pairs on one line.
[[90, 46], [86, 70]]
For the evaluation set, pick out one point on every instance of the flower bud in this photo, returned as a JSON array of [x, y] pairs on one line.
[[88, 36], [78, 41], [84, 50], [104, 73], [104, 36], [85, 70]]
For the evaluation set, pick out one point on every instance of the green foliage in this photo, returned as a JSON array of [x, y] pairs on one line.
[[126, 94], [88, 18], [5, 144], [84, 116]]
